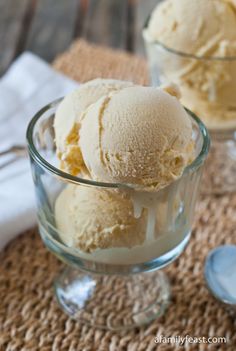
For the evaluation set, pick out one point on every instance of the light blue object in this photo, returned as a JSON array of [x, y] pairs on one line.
[[220, 273]]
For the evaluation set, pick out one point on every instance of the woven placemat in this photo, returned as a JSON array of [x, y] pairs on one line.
[[30, 318]]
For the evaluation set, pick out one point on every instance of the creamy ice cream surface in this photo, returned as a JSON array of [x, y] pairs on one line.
[[138, 135], [198, 27], [205, 29], [134, 135], [90, 218], [70, 114], [104, 225]]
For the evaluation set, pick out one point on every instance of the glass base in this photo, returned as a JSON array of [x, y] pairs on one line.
[[110, 301]]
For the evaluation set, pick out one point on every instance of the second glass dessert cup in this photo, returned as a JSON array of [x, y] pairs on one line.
[[114, 288], [207, 85]]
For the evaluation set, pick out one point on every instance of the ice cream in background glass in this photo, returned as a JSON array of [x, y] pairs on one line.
[[116, 168], [193, 44]]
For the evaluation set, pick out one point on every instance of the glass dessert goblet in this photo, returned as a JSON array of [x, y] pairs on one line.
[[112, 281], [207, 87]]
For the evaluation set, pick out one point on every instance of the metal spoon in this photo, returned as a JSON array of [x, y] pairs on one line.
[[220, 274], [16, 150]]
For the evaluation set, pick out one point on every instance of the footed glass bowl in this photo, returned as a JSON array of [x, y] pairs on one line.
[[112, 287], [207, 86]]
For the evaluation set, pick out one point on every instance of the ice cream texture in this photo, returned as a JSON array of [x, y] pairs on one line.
[[91, 218], [104, 225], [132, 135], [198, 27], [138, 135], [69, 116], [205, 29]]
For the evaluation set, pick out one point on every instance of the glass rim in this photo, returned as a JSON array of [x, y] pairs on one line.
[[182, 53], [199, 159]]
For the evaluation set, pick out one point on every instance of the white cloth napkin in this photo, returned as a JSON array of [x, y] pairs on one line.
[[28, 85]]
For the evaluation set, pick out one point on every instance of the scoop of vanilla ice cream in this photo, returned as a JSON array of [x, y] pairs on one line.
[[138, 135], [133, 134], [70, 114], [90, 218], [203, 28], [194, 27]]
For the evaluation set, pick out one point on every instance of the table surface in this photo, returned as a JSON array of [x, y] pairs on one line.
[[47, 27]]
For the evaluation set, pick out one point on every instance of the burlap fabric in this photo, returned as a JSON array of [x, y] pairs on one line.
[[30, 318]]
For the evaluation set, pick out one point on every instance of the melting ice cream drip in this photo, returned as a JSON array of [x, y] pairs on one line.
[[142, 200], [151, 223], [137, 208], [171, 205]]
